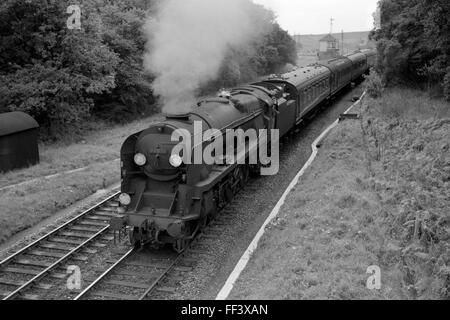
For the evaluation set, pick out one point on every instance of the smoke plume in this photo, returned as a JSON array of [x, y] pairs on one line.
[[187, 41]]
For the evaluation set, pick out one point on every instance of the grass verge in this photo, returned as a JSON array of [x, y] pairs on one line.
[[377, 194]]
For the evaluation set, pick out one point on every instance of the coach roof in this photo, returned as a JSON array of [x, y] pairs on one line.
[[302, 76]]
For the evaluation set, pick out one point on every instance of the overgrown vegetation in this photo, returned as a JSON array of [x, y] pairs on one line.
[[373, 84], [408, 152], [414, 44], [63, 77], [269, 55]]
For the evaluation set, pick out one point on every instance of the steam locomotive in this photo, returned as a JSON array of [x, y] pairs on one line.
[[167, 201]]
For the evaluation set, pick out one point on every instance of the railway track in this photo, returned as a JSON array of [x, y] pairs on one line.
[[153, 274], [150, 274], [30, 268], [135, 276]]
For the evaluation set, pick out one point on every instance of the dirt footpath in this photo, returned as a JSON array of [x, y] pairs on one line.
[[345, 216]]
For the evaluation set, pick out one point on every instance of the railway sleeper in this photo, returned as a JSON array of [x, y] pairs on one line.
[[85, 229], [42, 286], [111, 295], [22, 297], [170, 290], [127, 284]]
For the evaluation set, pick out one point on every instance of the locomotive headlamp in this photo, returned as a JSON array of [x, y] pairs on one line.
[[140, 159], [175, 160], [125, 199]]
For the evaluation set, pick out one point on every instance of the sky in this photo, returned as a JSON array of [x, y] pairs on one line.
[[313, 16]]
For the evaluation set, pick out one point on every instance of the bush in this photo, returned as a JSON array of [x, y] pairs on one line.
[[413, 43], [373, 84]]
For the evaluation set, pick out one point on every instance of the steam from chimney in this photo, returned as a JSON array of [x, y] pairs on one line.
[[187, 41]]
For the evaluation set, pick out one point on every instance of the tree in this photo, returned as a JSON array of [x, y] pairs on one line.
[[413, 42], [62, 77]]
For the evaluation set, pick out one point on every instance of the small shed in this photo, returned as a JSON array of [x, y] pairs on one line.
[[18, 141]]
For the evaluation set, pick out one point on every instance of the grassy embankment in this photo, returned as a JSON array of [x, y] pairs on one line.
[[377, 194], [29, 203]]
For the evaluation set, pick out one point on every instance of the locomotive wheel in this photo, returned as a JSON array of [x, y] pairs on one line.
[[255, 170], [180, 245], [228, 193], [244, 175], [134, 237], [203, 222]]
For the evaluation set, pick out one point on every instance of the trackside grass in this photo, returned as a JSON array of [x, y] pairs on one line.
[[377, 194]]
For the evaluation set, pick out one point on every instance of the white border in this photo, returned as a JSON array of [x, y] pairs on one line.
[[240, 266]]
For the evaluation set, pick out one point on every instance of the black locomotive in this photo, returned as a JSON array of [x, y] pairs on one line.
[[164, 200]]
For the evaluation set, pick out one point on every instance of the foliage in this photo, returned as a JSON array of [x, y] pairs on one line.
[[407, 137], [62, 77], [413, 42], [268, 55], [373, 84]]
